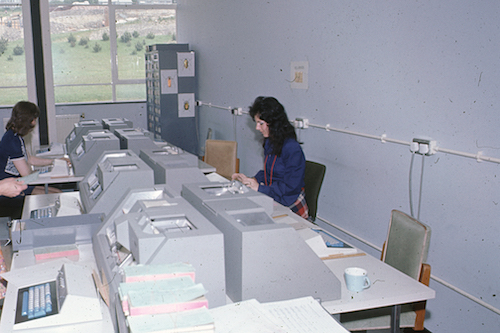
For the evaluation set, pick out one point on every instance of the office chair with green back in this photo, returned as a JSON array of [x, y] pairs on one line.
[[405, 249], [314, 175]]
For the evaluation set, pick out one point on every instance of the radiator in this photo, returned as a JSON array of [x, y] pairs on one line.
[[65, 123]]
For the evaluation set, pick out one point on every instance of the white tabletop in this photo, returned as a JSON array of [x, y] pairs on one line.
[[26, 258], [57, 180], [388, 285], [60, 173]]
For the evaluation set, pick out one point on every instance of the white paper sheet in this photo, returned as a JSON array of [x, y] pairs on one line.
[[300, 315], [304, 315]]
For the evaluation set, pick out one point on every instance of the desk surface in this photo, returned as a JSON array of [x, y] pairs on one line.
[[389, 286], [60, 173], [69, 176], [24, 259], [32, 202], [57, 180]]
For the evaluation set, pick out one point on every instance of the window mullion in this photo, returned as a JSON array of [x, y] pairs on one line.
[[113, 49], [48, 70], [28, 49]]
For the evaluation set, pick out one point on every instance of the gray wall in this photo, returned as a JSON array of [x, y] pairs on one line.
[[403, 68], [136, 112]]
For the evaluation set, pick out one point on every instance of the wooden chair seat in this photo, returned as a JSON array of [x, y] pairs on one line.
[[222, 155]]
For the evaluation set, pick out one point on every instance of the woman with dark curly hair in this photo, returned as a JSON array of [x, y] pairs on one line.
[[284, 163]]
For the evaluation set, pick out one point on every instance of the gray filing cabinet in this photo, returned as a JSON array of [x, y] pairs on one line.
[[171, 91]]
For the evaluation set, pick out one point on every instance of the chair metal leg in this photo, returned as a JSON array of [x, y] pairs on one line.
[[395, 318]]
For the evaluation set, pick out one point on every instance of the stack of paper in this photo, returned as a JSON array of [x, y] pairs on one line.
[[199, 321], [157, 272], [164, 298], [299, 315], [161, 296], [43, 254], [60, 169]]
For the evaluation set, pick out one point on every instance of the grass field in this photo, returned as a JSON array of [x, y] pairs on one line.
[[81, 65]]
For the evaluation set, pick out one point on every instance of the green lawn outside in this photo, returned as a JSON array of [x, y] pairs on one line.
[[81, 65]]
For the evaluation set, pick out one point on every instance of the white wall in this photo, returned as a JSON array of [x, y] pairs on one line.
[[136, 112], [403, 68]]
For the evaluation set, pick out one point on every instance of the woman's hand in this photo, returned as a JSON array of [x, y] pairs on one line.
[[250, 182], [68, 161], [10, 187]]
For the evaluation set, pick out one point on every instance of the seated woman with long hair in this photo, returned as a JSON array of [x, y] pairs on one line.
[[15, 161], [284, 163]]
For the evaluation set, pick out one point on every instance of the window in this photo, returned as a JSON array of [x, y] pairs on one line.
[[12, 56], [97, 48]]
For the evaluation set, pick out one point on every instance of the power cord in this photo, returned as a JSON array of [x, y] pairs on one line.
[[410, 185], [234, 126]]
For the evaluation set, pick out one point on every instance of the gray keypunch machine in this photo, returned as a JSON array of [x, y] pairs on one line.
[[149, 226], [264, 260]]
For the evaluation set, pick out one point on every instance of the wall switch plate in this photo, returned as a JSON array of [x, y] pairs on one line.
[[299, 74]]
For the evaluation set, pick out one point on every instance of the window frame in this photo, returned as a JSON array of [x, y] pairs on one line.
[[45, 5], [113, 39], [50, 128]]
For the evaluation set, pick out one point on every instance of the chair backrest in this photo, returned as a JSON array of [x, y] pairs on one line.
[[407, 244], [222, 155], [314, 175]]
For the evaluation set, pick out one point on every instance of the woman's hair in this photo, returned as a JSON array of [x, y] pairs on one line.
[[273, 113], [23, 114]]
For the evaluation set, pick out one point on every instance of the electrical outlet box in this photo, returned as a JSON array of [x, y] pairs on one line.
[[301, 123], [237, 111], [423, 146]]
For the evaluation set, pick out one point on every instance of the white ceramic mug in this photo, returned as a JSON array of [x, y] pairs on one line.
[[356, 279]]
